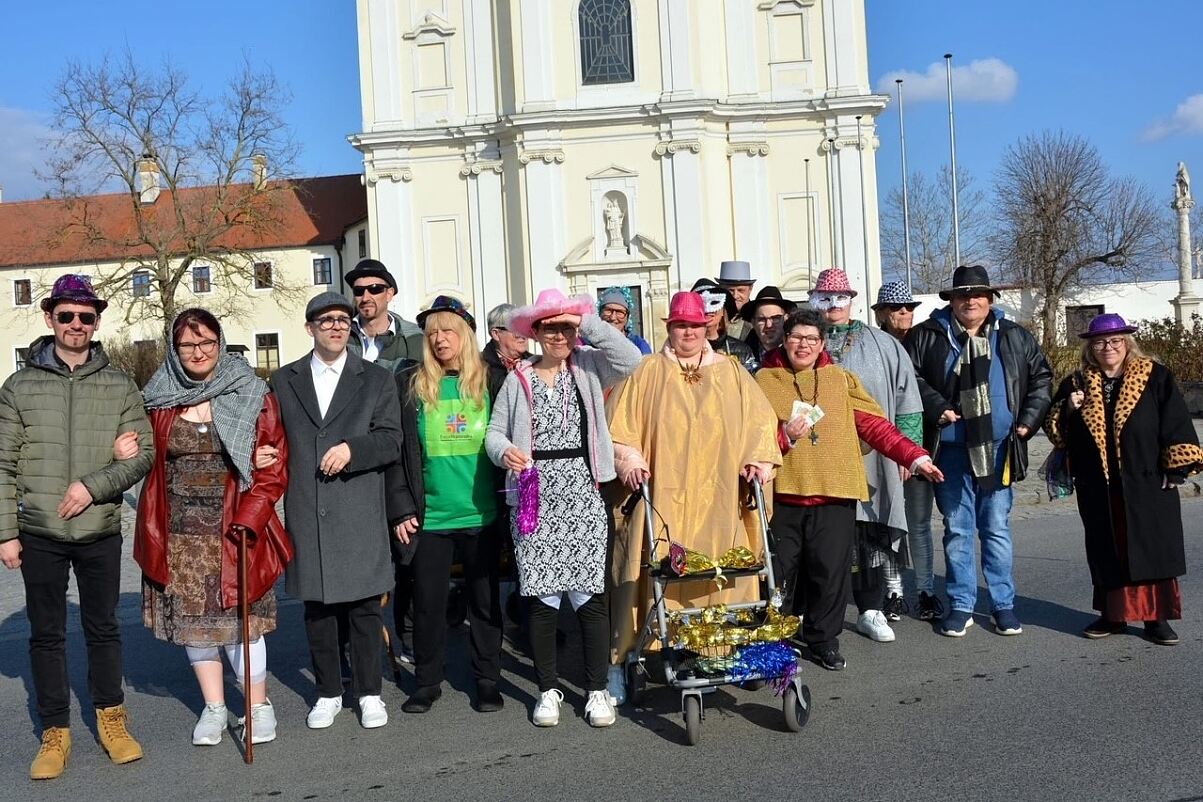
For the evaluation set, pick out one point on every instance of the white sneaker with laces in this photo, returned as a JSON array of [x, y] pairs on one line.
[[598, 710], [263, 723], [547, 710], [616, 684], [372, 713], [872, 623], [323, 712], [209, 726]]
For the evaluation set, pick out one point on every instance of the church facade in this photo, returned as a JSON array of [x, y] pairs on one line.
[[514, 145]]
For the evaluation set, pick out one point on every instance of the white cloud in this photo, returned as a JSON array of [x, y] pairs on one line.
[[987, 80], [22, 133], [1187, 119]]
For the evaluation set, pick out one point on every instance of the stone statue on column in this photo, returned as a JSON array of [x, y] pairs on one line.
[[1187, 302]]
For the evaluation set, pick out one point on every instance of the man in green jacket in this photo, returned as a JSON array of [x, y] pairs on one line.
[[377, 334], [60, 510]]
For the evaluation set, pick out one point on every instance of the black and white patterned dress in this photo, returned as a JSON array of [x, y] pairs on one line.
[[567, 550]]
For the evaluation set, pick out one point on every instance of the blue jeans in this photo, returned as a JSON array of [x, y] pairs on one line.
[[918, 496], [967, 508]]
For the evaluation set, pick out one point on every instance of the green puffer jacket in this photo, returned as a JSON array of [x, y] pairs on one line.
[[58, 426]]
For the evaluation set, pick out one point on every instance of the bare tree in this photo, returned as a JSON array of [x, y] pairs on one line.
[[1064, 221], [930, 204], [199, 179]]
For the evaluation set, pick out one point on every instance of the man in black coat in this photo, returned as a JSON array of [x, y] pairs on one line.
[[343, 422], [720, 309], [986, 388]]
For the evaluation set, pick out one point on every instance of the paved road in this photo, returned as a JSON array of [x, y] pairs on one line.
[[1047, 715]]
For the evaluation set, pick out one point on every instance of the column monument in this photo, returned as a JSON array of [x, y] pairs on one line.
[[1187, 302]]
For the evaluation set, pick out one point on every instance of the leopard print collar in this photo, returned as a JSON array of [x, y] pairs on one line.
[[1132, 386]]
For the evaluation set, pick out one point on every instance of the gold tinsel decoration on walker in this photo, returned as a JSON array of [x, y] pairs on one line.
[[685, 562], [716, 631]]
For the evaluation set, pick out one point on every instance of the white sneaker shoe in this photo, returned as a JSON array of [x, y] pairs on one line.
[[263, 723], [616, 684], [873, 624], [209, 726], [599, 712], [547, 710], [372, 713], [323, 713]]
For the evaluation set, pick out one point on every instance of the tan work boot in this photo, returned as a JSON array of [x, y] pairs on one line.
[[52, 757], [115, 737]]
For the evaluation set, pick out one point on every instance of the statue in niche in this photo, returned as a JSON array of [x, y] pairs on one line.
[[614, 217], [1182, 183]]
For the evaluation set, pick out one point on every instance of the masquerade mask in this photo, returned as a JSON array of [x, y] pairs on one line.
[[823, 301], [713, 302]]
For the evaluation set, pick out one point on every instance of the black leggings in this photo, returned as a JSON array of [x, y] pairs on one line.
[[594, 618]]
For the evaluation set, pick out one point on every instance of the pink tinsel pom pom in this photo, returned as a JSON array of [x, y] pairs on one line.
[[528, 500]]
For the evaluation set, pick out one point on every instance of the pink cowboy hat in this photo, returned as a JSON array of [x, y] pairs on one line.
[[686, 307], [550, 303], [834, 280]]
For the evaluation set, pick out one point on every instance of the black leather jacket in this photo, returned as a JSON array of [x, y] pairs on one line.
[[1029, 380], [738, 349]]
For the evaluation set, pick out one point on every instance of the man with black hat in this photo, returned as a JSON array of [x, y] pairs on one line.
[[377, 334], [719, 305], [986, 388], [736, 277], [767, 315], [343, 421]]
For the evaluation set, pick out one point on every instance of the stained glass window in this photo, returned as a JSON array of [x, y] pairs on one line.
[[607, 55]]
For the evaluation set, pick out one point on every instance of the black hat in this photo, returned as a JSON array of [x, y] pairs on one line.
[[706, 285], [968, 279], [768, 295], [370, 268], [447, 303]]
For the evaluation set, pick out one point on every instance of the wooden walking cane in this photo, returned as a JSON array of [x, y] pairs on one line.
[[245, 612]]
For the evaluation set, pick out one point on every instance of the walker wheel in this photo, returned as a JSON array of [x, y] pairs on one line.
[[796, 709], [693, 720]]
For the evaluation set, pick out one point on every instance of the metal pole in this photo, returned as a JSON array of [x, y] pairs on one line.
[[864, 213], [906, 208], [837, 253], [810, 229], [952, 144]]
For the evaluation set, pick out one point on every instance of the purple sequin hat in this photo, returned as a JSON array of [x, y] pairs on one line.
[[76, 289], [1103, 325]]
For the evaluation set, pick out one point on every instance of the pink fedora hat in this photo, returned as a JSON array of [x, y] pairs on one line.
[[550, 303], [686, 307], [834, 280]]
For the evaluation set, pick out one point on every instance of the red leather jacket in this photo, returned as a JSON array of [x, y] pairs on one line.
[[269, 548]]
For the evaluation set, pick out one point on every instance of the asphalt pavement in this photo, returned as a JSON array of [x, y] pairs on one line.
[[1046, 715]]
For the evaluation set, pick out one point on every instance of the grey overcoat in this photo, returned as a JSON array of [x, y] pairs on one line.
[[338, 524]]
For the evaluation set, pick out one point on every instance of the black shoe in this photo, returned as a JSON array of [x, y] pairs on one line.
[[1161, 633], [421, 700], [895, 607], [1101, 628], [488, 698], [930, 607], [831, 659]]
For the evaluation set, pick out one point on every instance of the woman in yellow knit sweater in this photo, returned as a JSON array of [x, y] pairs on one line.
[[824, 413]]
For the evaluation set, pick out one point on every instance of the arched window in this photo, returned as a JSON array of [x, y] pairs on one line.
[[607, 54]]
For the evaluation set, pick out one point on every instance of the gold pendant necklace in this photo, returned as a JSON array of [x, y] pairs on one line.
[[691, 373]]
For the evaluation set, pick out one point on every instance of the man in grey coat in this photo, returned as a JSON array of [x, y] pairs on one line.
[[343, 421]]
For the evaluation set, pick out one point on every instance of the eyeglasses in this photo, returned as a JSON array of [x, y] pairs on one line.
[[375, 289], [808, 339], [769, 320], [206, 347], [328, 323], [621, 314], [65, 318], [1111, 342], [558, 330]]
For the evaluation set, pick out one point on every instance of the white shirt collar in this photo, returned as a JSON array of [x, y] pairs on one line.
[[319, 367]]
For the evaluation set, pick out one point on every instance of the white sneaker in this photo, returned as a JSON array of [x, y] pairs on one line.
[[547, 710], [209, 726], [263, 723], [873, 624], [323, 713], [598, 710], [372, 713], [616, 684]]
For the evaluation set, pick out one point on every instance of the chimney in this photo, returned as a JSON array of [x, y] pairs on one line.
[[146, 183], [259, 171]]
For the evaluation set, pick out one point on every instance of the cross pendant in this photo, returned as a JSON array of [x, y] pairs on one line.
[[814, 437]]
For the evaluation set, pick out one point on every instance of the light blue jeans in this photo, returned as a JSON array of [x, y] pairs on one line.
[[919, 498], [968, 509]]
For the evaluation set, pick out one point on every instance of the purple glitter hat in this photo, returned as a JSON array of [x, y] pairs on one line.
[[1102, 325], [74, 288]]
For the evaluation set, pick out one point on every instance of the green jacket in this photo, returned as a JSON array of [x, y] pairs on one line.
[[395, 347], [58, 426]]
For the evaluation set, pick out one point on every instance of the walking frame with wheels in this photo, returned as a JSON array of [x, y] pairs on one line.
[[795, 697]]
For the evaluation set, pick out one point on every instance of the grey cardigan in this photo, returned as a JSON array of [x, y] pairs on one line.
[[594, 370]]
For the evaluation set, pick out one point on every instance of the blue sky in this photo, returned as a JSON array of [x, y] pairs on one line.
[[1115, 72]]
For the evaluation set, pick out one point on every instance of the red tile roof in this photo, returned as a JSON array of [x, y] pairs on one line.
[[313, 211]]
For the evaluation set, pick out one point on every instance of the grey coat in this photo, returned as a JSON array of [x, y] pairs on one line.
[[338, 525], [594, 370]]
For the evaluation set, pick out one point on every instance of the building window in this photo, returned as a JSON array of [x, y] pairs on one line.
[[141, 284], [263, 275], [363, 243], [201, 282], [607, 55], [321, 271], [22, 292], [20, 357], [267, 351]]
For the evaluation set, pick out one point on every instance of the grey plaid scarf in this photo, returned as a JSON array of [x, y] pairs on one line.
[[971, 380], [235, 392]]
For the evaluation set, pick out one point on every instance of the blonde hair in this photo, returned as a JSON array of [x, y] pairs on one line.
[[473, 376], [1089, 360]]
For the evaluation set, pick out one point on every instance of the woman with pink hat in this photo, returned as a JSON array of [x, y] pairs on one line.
[[549, 432]]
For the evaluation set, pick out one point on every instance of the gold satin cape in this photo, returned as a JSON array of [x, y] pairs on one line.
[[695, 439]]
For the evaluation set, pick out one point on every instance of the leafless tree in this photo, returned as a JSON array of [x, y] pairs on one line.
[[200, 177], [932, 252], [1064, 221]]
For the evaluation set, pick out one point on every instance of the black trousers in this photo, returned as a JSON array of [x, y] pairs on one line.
[[594, 618], [477, 550], [868, 591], [814, 564], [45, 565], [363, 623], [403, 598]]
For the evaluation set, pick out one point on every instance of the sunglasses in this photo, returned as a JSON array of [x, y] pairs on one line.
[[375, 289], [65, 318]]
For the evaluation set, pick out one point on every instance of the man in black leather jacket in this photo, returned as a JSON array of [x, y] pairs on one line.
[[720, 308], [986, 388]]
